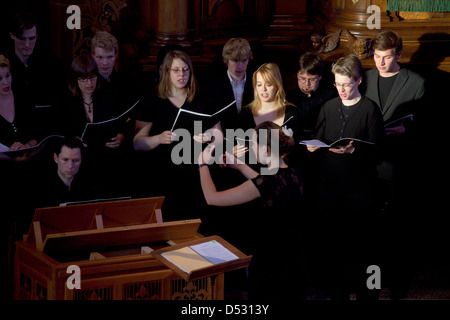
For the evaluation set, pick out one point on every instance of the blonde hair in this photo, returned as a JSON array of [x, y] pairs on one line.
[[105, 41], [164, 88], [4, 62], [270, 72], [236, 49]]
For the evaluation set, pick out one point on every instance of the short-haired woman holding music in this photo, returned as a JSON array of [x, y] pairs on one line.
[[347, 179]]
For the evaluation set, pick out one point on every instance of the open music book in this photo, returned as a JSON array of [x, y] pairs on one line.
[[104, 128], [199, 256], [5, 149], [397, 121], [199, 114], [65, 204], [340, 142]]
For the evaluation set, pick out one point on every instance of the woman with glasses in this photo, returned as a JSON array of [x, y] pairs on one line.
[[85, 114], [347, 177], [85, 105], [158, 116]]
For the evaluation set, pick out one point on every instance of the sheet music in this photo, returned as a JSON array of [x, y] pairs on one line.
[[214, 252], [318, 143], [409, 116], [5, 149], [106, 121], [186, 259], [199, 256], [65, 204], [291, 117], [215, 113], [199, 113], [314, 143]]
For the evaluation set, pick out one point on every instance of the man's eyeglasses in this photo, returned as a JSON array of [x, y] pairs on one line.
[[344, 85], [87, 79], [178, 70]]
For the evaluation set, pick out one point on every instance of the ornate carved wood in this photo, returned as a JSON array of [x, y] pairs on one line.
[[424, 34]]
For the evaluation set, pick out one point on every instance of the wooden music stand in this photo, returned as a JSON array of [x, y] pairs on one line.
[[210, 271], [242, 261]]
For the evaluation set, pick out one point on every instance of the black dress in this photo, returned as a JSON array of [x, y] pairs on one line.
[[22, 127], [15, 174], [278, 267], [170, 169]]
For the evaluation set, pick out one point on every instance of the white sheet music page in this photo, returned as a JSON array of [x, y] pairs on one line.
[[214, 252]]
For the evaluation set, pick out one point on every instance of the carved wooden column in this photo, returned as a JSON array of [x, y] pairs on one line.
[[290, 22], [352, 15], [168, 22]]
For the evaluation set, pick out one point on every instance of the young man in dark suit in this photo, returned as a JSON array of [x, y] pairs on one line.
[[233, 84], [38, 78], [398, 92]]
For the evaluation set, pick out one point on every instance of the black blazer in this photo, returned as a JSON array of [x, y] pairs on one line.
[[406, 94], [219, 94]]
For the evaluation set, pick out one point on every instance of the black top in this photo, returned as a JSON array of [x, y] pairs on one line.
[[247, 121], [41, 83], [162, 114], [282, 200], [119, 90], [350, 171], [22, 127], [384, 88], [281, 190], [290, 121], [51, 191], [73, 119], [33, 80], [308, 108]]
